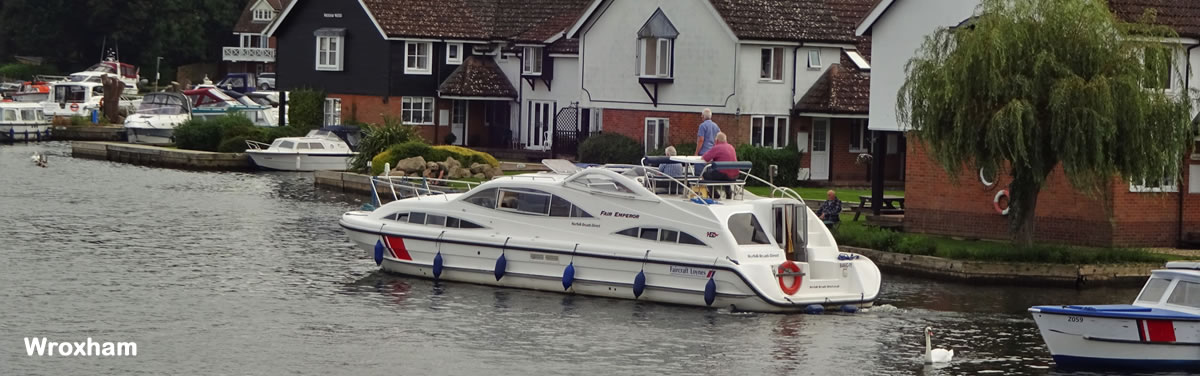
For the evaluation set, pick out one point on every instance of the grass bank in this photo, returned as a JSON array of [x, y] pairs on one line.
[[858, 234]]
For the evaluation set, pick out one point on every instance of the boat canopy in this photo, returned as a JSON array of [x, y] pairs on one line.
[[207, 97], [164, 103]]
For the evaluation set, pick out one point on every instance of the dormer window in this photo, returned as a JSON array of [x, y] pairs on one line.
[[264, 15], [656, 47], [532, 61]]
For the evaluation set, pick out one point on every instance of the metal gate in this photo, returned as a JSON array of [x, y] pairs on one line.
[[566, 131]]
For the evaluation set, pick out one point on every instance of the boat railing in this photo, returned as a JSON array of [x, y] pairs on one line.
[[777, 191], [651, 173], [416, 187], [251, 144]]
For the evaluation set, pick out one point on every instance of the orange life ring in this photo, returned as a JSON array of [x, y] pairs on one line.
[[797, 279], [996, 202]]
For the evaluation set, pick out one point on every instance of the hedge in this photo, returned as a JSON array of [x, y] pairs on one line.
[[306, 108], [18, 71], [787, 159], [431, 154], [379, 138], [227, 134], [610, 148]]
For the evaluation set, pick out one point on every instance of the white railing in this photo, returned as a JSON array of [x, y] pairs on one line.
[[235, 54]]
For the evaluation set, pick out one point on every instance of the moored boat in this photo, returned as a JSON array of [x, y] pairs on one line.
[[156, 118], [1159, 331], [320, 150], [21, 121], [598, 231]]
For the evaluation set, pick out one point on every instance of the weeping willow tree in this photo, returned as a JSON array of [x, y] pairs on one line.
[[1029, 85]]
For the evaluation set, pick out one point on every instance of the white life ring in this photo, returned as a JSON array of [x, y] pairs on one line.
[[996, 202], [983, 179]]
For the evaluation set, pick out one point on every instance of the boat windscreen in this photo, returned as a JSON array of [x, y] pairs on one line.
[[1186, 293], [102, 68], [161, 105], [746, 230], [1154, 290], [69, 93]]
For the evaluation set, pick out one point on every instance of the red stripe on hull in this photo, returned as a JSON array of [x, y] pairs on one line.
[[1160, 331], [396, 244]]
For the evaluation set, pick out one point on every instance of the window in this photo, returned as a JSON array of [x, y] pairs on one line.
[[10, 115], [1154, 290], [458, 113], [316, 145], [333, 111], [1158, 66], [286, 145], [746, 230], [485, 198], [329, 53], [531, 61], [526, 201], [814, 59], [1167, 184], [769, 131], [302, 146], [772, 64], [398, 217], [29, 115], [560, 207], [684, 238], [435, 220], [263, 14], [250, 41], [416, 218], [657, 132], [1185, 294], [860, 140], [649, 234], [454, 53], [656, 53], [660, 235], [417, 110], [416, 57]]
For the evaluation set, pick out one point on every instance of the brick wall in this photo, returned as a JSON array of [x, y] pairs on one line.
[[846, 169], [963, 207], [372, 109], [684, 125]]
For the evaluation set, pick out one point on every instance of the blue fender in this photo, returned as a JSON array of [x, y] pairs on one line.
[[501, 263], [437, 266], [639, 284], [710, 292], [378, 252], [568, 277], [849, 308], [814, 309]]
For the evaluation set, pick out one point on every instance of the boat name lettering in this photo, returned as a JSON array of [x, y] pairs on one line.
[[582, 224], [825, 286], [333, 15], [619, 214], [691, 272], [1074, 319], [762, 255], [712, 234]]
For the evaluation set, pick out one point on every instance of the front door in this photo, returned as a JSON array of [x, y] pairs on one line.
[[539, 124], [458, 122], [820, 149]]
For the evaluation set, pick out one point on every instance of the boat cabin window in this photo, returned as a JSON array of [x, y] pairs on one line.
[[1186, 294], [302, 146], [29, 115], [485, 198], [416, 218], [398, 217], [560, 207], [525, 201], [1154, 290], [316, 145], [10, 115], [746, 230], [69, 93], [286, 145], [660, 235], [433, 220]]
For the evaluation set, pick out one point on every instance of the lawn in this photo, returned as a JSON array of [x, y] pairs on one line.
[[818, 194], [858, 234]]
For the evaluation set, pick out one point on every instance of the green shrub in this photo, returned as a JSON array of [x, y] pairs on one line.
[[439, 153], [787, 159], [471, 155], [18, 71], [209, 134], [610, 148], [381, 137], [680, 149], [306, 108], [380, 161]]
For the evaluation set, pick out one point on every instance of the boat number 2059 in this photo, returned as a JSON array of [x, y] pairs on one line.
[[1074, 319]]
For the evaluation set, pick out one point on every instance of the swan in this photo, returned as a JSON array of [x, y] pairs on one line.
[[935, 355]]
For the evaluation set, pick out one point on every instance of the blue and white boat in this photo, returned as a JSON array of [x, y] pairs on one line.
[[1159, 331]]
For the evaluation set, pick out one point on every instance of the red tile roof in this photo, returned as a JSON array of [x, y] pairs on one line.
[[1181, 15], [478, 76], [516, 20], [842, 89], [794, 20], [246, 22]]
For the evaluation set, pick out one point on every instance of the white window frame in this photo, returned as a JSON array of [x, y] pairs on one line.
[[264, 14], [410, 106], [814, 58], [775, 70], [452, 60], [331, 48], [427, 58], [664, 48], [659, 137], [760, 121], [532, 55], [333, 111], [864, 135], [247, 40], [1162, 188]]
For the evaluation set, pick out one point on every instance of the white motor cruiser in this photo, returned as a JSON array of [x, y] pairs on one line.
[[22, 121], [599, 232], [208, 102], [320, 150], [156, 118], [69, 99], [128, 74], [1159, 331]]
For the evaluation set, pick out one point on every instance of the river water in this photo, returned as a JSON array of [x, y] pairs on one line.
[[249, 274]]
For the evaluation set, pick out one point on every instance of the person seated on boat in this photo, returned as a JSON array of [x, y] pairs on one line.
[[830, 211], [674, 170], [722, 151]]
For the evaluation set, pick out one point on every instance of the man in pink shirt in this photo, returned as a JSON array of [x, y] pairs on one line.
[[721, 151]]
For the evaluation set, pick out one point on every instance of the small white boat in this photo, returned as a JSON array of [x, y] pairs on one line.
[[599, 232], [128, 74], [156, 118], [1159, 331], [69, 99], [320, 150], [22, 121]]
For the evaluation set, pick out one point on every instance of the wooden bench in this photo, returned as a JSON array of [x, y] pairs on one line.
[[891, 205]]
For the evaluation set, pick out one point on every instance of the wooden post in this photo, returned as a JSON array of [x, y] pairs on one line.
[[879, 152]]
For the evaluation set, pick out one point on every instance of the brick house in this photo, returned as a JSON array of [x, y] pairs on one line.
[[779, 73], [254, 51], [496, 74], [1163, 213]]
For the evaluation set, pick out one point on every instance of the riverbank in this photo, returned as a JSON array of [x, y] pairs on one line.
[[156, 156], [65, 133]]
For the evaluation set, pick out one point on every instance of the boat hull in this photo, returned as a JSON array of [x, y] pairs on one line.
[[1080, 341], [151, 136], [24, 132], [300, 161], [541, 265]]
